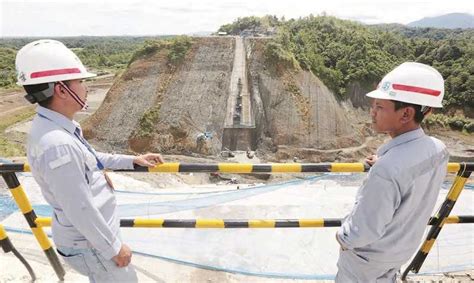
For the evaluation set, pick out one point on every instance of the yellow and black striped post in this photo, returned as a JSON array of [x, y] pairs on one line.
[[24, 204], [4, 241], [439, 220], [7, 247], [243, 223]]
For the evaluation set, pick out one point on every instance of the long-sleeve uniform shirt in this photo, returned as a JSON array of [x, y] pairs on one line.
[[394, 203], [67, 171]]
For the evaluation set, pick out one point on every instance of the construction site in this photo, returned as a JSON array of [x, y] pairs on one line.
[[226, 103]]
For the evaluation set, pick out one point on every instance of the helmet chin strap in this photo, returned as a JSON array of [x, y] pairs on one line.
[[79, 101], [425, 109]]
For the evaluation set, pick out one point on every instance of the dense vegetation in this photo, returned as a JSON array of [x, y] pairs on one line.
[[100, 54], [7, 67], [251, 23], [341, 52], [176, 48]]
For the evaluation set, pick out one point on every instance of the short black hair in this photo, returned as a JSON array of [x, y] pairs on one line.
[[419, 115], [30, 89]]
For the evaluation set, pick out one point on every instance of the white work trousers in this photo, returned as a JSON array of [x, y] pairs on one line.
[[91, 263], [353, 268]]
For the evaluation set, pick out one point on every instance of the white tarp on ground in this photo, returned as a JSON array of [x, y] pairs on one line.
[[309, 253]]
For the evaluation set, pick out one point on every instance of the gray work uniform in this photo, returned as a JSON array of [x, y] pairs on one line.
[[392, 208], [84, 205]]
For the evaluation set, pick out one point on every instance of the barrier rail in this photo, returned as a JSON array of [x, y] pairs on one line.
[[251, 223], [239, 168], [7, 247], [37, 223]]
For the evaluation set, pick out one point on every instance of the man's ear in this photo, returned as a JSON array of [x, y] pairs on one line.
[[59, 91], [408, 114]]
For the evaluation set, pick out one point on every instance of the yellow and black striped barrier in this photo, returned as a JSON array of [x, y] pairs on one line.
[[464, 170], [441, 218], [242, 168], [24, 204], [250, 223], [7, 247]]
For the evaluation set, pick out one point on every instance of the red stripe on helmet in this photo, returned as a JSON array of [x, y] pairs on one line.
[[55, 72], [421, 90]]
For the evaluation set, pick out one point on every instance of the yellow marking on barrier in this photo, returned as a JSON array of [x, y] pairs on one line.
[[285, 168], [454, 167], [347, 167], [261, 223], [165, 167], [21, 199], [42, 238], [3, 233], [235, 168], [148, 222], [210, 223], [43, 221], [456, 188], [427, 246], [26, 167], [452, 219], [311, 222]]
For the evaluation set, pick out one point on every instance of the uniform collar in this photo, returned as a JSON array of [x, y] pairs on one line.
[[403, 138], [58, 118]]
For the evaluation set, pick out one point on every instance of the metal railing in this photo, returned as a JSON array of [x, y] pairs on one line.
[[25, 207], [250, 223], [36, 224]]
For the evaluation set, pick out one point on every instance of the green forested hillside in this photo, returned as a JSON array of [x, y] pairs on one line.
[[101, 54], [7, 67], [341, 52], [338, 51]]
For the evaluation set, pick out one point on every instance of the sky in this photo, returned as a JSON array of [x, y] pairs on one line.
[[158, 17]]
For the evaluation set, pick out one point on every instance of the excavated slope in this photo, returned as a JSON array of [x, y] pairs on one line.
[[191, 100], [294, 113], [297, 111]]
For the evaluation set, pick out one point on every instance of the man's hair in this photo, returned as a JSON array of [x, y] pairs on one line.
[[30, 89], [419, 115]]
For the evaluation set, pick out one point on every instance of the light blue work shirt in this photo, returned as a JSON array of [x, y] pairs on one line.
[[84, 206], [395, 202]]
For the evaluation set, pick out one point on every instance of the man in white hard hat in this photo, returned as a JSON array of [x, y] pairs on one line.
[[392, 207], [69, 171]]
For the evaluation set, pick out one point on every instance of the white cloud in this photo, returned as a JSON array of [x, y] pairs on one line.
[[148, 17]]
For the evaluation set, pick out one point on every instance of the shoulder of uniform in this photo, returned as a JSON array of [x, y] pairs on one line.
[[440, 144], [385, 167], [55, 139]]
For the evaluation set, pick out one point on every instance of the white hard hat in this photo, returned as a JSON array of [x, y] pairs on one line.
[[46, 61], [413, 83]]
